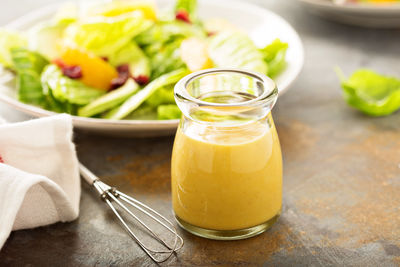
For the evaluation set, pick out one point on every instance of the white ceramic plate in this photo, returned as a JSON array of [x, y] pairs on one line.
[[367, 15], [262, 25]]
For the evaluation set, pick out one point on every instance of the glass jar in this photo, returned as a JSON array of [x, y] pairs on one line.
[[226, 171]]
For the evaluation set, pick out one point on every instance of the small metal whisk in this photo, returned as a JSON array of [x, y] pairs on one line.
[[111, 195]]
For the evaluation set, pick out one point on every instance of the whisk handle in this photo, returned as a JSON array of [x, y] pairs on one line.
[[89, 177]]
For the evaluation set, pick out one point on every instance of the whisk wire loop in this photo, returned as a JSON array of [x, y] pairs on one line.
[[111, 195]]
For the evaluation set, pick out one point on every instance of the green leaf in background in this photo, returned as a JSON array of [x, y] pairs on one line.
[[106, 35], [231, 49], [190, 6], [372, 93], [139, 63], [29, 66], [64, 89], [168, 112], [274, 54], [109, 100], [8, 40], [137, 99]]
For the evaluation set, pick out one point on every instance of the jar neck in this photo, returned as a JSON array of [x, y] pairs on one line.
[[232, 116], [225, 97], [265, 121]]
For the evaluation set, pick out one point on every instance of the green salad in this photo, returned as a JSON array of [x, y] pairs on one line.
[[121, 60]]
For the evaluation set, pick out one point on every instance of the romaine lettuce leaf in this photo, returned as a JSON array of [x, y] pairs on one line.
[[29, 66], [137, 99], [372, 93], [109, 100], [64, 89], [168, 112], [274, 54], [231, 49], [9, 40], [106, 35], [143, 112], [161, 44], [167, 59], [164, 95], [131, 54], [57, 106]]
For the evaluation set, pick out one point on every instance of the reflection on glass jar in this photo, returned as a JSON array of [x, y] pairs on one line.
[[226, 163]]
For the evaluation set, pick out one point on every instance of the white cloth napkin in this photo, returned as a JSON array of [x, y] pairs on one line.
[[39, 179]]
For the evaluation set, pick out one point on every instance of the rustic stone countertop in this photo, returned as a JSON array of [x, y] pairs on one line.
[[341, 171]]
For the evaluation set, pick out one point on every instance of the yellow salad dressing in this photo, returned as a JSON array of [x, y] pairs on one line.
[[227, 181]]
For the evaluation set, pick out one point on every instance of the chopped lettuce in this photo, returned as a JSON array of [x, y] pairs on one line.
[[57, 106], [231, 49], [64, 89], [29, 66], [8, 40], [372, 93], [161, 44], [143, 112], [109, 100], [274, 54], [131, 54], [168, 112], [164, 95], [167, 59], [106, 35], [137, 99], [44, 85]]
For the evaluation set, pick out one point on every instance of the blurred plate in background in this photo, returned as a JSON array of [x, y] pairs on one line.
[[360, 14]]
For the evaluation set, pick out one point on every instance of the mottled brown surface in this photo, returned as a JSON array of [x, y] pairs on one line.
[[341, 175]]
